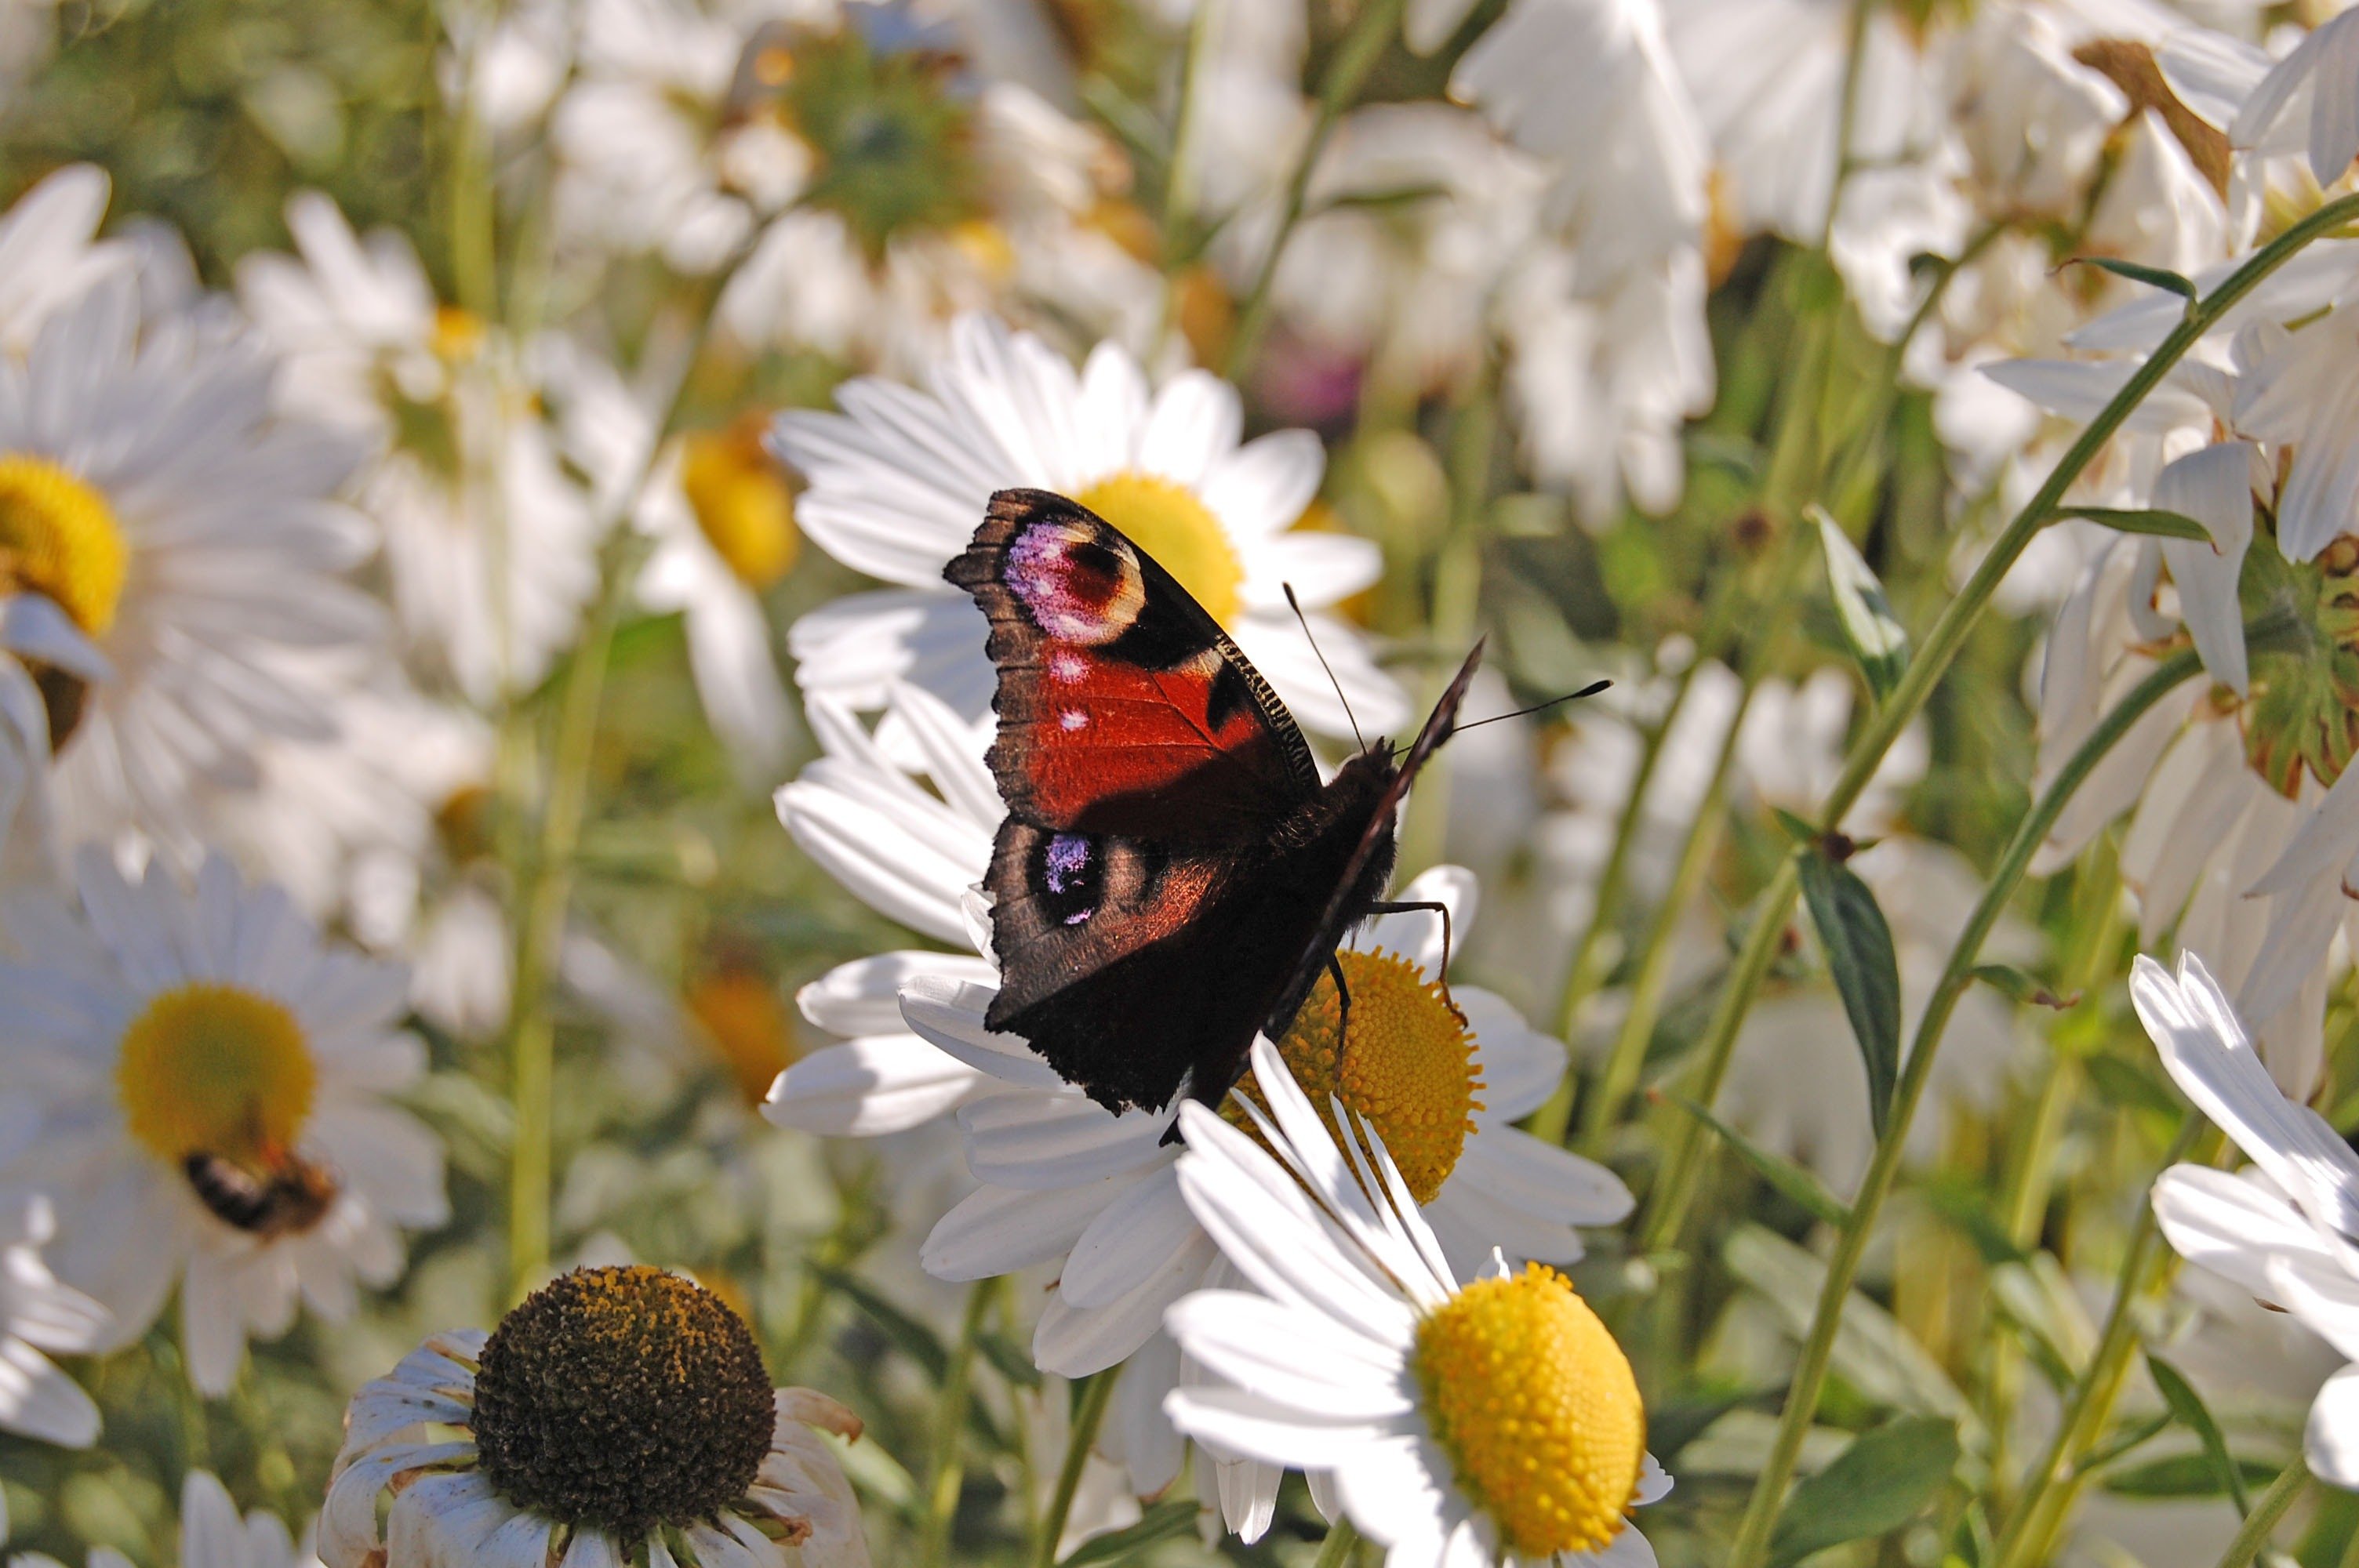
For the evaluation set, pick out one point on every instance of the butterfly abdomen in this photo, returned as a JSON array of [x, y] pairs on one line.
[[292, 1195]]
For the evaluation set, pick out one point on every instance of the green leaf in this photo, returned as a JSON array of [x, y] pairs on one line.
[[1384, 199], [2189, 1407], [1780, 1172], [1800, 831], [1964, 1201], [1867, 973], [921, 1343], [1012, 1360], [2138, 272], [1876, 638], [2131, 1087], [1873, 1488], [1162, 1522], [2141, 520], [2182, 1475], [2014, 983]]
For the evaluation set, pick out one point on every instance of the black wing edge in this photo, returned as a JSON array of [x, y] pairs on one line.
[[1338, 915]]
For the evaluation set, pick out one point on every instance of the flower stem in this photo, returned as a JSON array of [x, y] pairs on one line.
[[1353, 59], [2057, 1478], [1948, 631], [1653, 976], [1336, 1551], [1752, 1544], [2292, 1482], [948, 1473], [1097, 1392]]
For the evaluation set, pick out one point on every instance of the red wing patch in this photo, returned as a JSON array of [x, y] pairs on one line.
[[1124, 709]]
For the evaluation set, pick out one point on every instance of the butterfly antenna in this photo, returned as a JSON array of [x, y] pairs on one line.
[[1591, 689], [1294, 604]]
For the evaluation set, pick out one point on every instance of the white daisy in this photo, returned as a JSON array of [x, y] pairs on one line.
[[617, 1415], [489, 542], [1064, 1179], [204, 1082], [898, 483], [2286, 1228], [37, 1313], [167, 544], [1495, 1422], [653, 153], [213, 1535], [722, 518], [2243, 834], [47, 256], [1603, 314]]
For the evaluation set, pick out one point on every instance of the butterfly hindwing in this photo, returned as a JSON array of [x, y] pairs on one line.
[[1123, 708]]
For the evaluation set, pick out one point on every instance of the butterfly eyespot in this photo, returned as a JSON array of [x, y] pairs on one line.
[[1080, 588], [1069, 876]]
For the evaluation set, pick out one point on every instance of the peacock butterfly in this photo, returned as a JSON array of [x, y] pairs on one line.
[[1172, 875]]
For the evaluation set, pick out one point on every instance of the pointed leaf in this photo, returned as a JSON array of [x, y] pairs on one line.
[[1164, 1521], [2141, 520], [1780, 1172], [2138, 272], [1858, 946], [1878, 639], [2189, 1407], [1873, 1488], [2015, 984], [2182, 1476]]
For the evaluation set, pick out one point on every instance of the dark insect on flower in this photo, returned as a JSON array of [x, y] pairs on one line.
[[290, 1195]]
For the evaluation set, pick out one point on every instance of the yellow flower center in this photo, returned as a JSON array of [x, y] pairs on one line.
[[749, 1027], [215, 1069], [1407, 1067], [1537, 1409], [741, 502], [458, 335], [987, 247], [1167, 522], [59, 539]]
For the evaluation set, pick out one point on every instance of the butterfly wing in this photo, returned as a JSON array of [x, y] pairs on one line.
[[1145, 763], [1123, 708]]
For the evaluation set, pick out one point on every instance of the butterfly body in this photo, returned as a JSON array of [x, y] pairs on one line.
[[1172, 873]]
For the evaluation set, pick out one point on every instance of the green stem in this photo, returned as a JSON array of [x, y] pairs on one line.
[[1337, 1549], [1456, 610], [1683, 1166], [1652, 978], [1932, 661], [1354, 57], [2062, 1469], [947, 1475], [1097, 1392], [548, 892], [1752, 1543], [2292, 1482]]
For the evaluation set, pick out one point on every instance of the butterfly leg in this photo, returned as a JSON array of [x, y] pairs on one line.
[[1440, 909], [1342, 998]]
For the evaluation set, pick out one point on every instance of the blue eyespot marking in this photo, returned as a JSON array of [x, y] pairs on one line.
[[1068, 877]]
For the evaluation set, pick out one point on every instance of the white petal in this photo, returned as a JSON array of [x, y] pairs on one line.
[[999, 1230], [1244, 1424], [1073, 1341], [1134, 1232], [1043, 1142], [2330, 1440], [865, 1089]]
